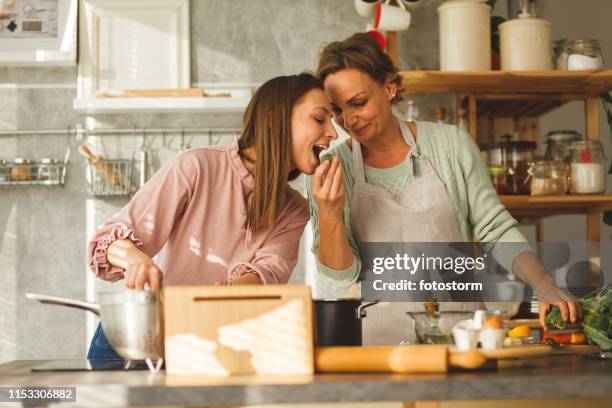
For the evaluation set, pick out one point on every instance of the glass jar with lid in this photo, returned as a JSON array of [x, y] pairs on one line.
[[559, 144], [584, 55], [588, 175], [516, 157], [548, 177]]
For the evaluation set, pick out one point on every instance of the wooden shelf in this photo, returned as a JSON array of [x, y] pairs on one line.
[[524, 205], [161, 105], [567, 84]]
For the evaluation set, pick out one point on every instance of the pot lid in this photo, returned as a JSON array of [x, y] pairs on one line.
[[563, 136]]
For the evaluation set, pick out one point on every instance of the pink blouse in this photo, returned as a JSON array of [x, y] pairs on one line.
[[191, 215]]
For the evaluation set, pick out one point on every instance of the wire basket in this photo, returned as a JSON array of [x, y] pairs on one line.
[[111, 178], [47, 172]]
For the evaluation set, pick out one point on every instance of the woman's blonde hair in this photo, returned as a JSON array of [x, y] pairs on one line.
[[266, 127], [362, 52]]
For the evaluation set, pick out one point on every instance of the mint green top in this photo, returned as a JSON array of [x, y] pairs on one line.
[[456, 158]]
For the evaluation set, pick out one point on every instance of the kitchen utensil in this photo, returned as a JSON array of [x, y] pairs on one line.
[[131, 319], [437, 328], [238, 329], [338, 321], [465, 36], [378, 36], [391, 18], [394, 359], [105, 168]]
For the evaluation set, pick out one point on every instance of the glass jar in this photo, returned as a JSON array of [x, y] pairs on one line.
[[48, 171], [498, 178], [20, 170], [584, 55], [588, 175], [548, 178], [559, 144], [516, 157]]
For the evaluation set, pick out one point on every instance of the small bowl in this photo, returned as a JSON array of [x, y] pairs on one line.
[[492, 338]]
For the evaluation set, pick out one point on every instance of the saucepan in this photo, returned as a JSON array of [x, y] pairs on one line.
[[338, 321], [131, 319]]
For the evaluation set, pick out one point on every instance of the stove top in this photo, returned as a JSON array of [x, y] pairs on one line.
[[89, 365]]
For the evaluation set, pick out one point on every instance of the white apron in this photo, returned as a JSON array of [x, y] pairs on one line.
[[422, 212]]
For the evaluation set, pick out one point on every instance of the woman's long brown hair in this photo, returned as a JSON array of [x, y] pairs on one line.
[[266, 127]]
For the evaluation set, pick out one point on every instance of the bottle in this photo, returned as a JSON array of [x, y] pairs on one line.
[[462, 122], [412, 112], [441, 115]]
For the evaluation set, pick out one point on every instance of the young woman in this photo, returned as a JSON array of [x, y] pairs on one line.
[[427, 175], [222, 214]]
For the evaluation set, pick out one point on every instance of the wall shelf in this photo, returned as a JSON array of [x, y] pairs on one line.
[[562, 204], [161, 105], [583, 83]]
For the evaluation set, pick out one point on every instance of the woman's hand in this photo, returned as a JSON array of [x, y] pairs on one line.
[[553, 296], [138, 275], [328, 188]]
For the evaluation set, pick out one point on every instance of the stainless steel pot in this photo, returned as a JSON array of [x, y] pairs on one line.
[[131, 319]]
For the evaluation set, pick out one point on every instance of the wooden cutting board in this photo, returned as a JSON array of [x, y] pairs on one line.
[[577, 349], [517, 352], [242, 329]]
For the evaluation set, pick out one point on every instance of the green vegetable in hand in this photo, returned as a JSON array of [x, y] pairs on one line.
[[596, 317], [327, 156]]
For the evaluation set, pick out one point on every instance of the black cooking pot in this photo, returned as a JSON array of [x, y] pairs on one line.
[[338, 321]]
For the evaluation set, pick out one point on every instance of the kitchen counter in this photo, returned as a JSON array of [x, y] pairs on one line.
[[569, 376]]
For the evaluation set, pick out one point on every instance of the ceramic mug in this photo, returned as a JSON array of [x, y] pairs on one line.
[[391, 18], [366, 8]]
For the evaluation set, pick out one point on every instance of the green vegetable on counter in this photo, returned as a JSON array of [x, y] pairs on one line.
[[596, 317]]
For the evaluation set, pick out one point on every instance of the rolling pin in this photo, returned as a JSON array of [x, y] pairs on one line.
[[113, 178], [394, 359]]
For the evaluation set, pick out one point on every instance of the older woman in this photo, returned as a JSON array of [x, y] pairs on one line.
[[397, 181]]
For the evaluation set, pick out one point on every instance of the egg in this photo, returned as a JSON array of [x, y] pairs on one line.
[[493, 322]]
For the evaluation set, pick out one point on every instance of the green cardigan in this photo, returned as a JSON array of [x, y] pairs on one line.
[[456, 159]]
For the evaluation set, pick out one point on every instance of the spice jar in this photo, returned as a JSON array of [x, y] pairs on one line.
[[516, 157], [584, 55], [498, 178], [48, 171], [20, 170], [548, 178], [5, 172], [588, 175]]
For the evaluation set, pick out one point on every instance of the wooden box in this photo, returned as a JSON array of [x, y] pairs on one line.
[[245, 329]]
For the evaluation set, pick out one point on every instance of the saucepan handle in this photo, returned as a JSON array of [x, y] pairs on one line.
[[62, 301], [361, 312]]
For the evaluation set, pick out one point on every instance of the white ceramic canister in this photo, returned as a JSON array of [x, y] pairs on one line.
[[465, 35], [525, 44]]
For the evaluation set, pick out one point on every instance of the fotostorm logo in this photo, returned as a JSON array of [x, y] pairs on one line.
[[413, 264]]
